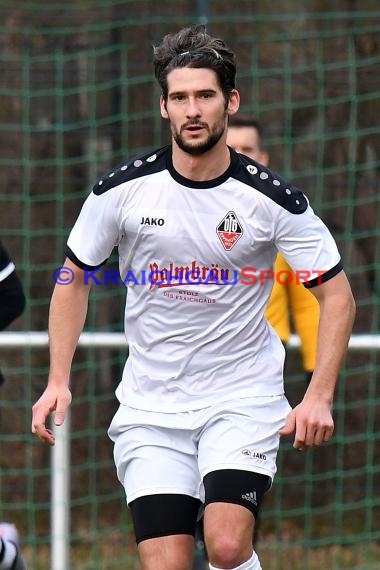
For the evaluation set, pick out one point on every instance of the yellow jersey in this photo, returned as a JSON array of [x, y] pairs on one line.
[[290, 301]]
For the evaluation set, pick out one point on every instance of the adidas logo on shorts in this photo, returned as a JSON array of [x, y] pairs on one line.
[[251, 497]]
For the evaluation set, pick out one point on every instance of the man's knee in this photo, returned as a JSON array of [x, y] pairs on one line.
[[173, 552], [226, 551], [228, 534], [233, 499]]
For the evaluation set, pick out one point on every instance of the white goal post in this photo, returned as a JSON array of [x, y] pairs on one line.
[[370, 342], [60, 456]]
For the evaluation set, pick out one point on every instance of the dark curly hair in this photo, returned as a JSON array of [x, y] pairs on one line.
[[193, 47]]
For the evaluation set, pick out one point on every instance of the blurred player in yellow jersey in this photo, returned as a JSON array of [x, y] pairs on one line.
[[291, 301]]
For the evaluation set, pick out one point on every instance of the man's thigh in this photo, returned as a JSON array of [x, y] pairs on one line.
[[159, 471], [158, 516], [243, 436], [153, 460]]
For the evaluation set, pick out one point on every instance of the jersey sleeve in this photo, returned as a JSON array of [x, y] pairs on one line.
[[308, 246], [6, 264], [12, 298], [96, 231]]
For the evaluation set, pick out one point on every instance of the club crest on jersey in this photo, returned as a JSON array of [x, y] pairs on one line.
[[229, 230]]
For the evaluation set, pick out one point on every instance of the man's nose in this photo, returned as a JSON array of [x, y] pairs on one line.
[[193, 109]]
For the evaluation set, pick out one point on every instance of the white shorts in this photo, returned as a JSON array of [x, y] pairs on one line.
[[158, 453]]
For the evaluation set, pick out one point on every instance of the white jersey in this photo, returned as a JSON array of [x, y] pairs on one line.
[[196, 258]]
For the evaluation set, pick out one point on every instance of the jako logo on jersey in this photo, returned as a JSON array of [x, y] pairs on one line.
[[255, 454], [152, 221], [251, 497], [229, 230]]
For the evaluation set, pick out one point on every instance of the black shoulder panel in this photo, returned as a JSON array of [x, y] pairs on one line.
[[142, 165], [269, 183]]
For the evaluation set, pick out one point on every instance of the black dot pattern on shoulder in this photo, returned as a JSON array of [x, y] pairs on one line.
[[270, 184], [141, 165]]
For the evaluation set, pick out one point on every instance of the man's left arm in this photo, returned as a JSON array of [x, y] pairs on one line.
[[311, 420]]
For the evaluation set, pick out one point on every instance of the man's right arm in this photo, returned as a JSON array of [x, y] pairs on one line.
[[68, 310]]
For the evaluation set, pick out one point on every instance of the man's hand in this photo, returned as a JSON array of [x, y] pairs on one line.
[[312, 423], [53, 399]]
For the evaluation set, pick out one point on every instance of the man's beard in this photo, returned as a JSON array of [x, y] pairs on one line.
[[197, 149]]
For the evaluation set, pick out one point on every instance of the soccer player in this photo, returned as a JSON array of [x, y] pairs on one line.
[[12, 304], [11, 292], [12, 298], [289, 298], [202, 402], [10, 552]]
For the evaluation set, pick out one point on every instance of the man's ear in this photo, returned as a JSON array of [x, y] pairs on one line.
[[233, 102], [164, 112], [264, 158]]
